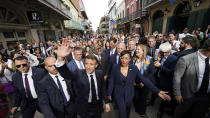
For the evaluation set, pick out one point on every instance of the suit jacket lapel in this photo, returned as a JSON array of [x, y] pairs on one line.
[[34, 77], [97, 79], [195, 59], [50, 79], [86, 78], [21, 82], [74, 62], [129, 70]]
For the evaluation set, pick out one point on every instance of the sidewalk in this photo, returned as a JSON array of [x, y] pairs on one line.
[[151, 112]]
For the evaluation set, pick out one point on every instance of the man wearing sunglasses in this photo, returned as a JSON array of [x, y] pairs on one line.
[[25, 84]]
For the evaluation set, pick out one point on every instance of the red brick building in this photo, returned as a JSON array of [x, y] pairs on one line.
[[135, 20]]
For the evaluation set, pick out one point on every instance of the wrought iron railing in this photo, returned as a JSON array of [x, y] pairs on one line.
[[135, 15]]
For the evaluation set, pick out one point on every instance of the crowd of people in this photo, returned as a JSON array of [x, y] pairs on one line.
[[78, 77]]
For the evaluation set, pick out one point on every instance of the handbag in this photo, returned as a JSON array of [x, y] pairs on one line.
[[8, 87]]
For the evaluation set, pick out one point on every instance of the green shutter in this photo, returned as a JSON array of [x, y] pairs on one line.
[[192, 20], [199, 18], [157, 25], [170, 23], [137, 4], [206, 19]]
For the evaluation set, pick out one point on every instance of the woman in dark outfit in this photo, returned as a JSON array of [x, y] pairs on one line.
[[146, 67], [121, 83]]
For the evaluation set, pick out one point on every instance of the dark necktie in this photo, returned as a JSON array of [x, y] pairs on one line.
[[205, 83], [117, 59], [93, 90], [151, 52], [61, 90], [28, 91]]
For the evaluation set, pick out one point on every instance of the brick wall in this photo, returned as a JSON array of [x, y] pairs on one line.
[[131, 5], [76, 4]]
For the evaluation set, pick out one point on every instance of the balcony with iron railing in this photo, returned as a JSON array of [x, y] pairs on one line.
[[104, 29], [59, 6], [133, 16], [72, 24]]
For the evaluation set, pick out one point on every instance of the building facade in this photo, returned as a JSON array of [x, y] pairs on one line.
[[74, 26], [120, 16], [166, 17], [112, 12], [104, 25], [40, 20]]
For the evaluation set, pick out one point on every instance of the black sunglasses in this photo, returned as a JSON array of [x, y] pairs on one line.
[[18, 66]]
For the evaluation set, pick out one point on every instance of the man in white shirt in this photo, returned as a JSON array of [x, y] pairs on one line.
[[25, 85], [55, 93], [191, 84], [88, 84], [32, 59], [185, 33]]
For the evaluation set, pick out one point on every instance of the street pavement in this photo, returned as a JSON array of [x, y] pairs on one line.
[[151, 112]]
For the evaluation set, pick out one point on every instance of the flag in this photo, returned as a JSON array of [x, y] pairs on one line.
[[172, 1], [113, 24]]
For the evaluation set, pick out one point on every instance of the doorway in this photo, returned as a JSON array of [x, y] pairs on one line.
[[181, 16]]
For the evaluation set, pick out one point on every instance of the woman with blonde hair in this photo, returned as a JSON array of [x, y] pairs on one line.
[[146, 67]]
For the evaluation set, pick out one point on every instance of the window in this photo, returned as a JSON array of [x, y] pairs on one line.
[[23, 41], [128, 12], [8, 34], [137, 4], [21, 34]]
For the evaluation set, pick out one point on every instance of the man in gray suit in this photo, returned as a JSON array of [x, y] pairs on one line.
[[77, 62], [191, 84]]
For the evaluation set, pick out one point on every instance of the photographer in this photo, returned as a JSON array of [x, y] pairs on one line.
[[207, 32], [31, 58]]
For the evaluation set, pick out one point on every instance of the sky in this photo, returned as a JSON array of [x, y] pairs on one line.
[[95, 9]]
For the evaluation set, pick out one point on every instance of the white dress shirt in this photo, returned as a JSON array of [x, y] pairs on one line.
[[43, 50], [73, 55], [112, 51], [98, 57], [63, 84], [32, 59], [96, 86], [132, 53], [30, 81], [59, 64], [118, 58], [80, 64], [201, 64]]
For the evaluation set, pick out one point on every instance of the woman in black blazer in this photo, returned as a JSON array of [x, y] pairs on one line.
[[121, 83], [146, 67]]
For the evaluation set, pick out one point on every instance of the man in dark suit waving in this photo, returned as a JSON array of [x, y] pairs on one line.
[[55, 93], [88, 84], [25, 84]]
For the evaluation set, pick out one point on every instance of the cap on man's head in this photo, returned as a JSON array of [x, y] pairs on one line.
[[165, 47]]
